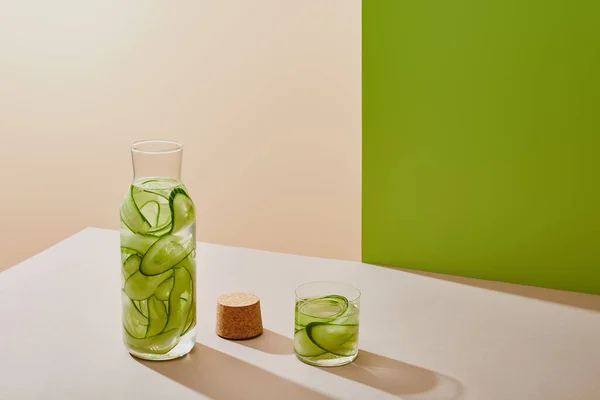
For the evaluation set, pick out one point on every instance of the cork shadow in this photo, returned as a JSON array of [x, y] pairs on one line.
[[210, 372], [270, 342], [397, 378]]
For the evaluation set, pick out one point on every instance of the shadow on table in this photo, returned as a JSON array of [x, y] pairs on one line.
[[379, 372], [397, 378], [223, 377], [270, 342]]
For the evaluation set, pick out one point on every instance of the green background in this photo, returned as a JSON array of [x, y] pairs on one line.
[[481, 149]]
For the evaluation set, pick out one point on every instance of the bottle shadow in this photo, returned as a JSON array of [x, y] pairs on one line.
[[383, 373], [222, 377]]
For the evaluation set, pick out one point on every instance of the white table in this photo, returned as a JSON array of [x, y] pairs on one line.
[[421, 337]]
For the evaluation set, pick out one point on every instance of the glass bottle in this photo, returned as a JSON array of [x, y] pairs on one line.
[[158, 250]]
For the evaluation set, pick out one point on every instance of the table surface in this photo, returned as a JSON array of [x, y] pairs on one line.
[[421, 338]]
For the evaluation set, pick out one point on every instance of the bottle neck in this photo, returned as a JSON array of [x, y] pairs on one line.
[[156, 159]]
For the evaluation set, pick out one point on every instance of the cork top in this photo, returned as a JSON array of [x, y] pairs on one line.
[[238, 316], [237, 299]]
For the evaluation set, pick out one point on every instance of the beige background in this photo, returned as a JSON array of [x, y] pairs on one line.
[[265, 94]]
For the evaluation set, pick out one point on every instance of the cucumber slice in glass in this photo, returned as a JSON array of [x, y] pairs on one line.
[[134, 322], [340, 340], [140, 287], [157, 318], [182, 209], [164, 290], [322, 309], [304, 346], [350, 317], [131, 265], [167, 252]]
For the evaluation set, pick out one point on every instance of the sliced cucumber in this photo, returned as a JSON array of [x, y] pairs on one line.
[[350, 317], [137, 243], [157, 316], [132, 216], [134, 322], [131, 265], [161, 229], [180, 300], [158, 344], [191, 317], [139, 286], [125, 253], [164, 290], [321, 309], [167, 252], [340, 340], [144, 307], [190, 265], [304, 346], [163, 224], [182, 209], [151, 211]]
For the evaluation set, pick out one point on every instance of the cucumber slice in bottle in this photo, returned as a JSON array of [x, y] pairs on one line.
[[125, 253], [158, 344], [304, 346], [182, 209], [134, 322], [340, 340], [167, 252], [164, 290], [321, 309], [191, 318], [132, 216], [142, 307], [161, 229], [163, 225], [137, 243], [180, 300], [190, 265], [157, 318], [140, 287], [131, 265], [151, 212]]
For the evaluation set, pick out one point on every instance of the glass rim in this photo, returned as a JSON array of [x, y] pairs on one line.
[[359, 293], [176, 146]]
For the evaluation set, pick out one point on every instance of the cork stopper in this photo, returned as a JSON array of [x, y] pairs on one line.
[[238, 316]]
